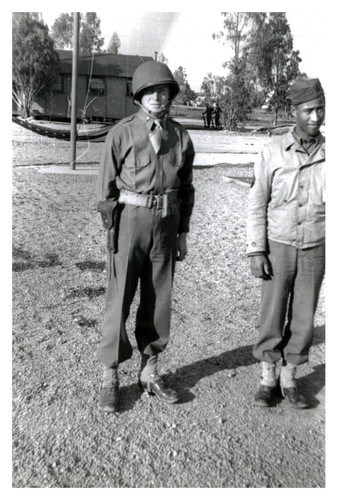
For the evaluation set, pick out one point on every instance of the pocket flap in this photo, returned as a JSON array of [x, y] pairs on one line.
[[139, 161]]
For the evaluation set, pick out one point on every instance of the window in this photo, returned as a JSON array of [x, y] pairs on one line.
[[58, 84], [97, 86], [129, 92]]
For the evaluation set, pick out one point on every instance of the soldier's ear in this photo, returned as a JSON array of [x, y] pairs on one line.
[[293, 111]]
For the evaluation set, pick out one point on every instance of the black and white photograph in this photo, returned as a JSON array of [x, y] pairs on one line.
[[169, 293]]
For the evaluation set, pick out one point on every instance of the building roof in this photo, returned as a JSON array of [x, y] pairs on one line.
[[102, 64]]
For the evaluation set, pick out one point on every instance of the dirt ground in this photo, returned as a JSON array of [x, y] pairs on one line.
[[214, 437]]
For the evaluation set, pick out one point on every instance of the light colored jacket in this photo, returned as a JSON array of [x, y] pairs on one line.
[[286, 202]]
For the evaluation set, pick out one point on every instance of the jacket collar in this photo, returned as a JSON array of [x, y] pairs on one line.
[[150, 119], [290, 139]]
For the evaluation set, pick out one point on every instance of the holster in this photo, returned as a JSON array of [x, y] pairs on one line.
[[112, 240], [109, 211], [170, 204]]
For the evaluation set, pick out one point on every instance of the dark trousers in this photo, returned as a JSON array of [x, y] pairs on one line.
[[289, 302], [147, 249]]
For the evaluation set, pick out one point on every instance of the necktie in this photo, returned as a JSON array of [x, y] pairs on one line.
[[308, 144], [156, 135]]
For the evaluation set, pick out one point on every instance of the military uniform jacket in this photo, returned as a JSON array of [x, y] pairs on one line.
[[129, 162], [286, 202]]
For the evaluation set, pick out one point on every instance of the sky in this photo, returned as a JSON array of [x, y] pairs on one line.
[[185, 37]]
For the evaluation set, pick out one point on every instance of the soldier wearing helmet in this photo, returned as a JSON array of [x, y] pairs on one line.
[[153, 73], [146, 197]]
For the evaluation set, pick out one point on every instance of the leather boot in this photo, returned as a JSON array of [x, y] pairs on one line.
[[268, 384], [289, 387], [150, 381], [108, 398]]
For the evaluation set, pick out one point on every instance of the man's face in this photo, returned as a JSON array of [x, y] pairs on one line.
[[309, 117], [156, 98]]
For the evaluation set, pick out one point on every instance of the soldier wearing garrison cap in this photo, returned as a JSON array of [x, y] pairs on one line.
[[146, 196], [286, 243]]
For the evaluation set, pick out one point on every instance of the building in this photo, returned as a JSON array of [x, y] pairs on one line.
[[104, 89]]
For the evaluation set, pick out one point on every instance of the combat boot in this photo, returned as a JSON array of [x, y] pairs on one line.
[[150, 381], [289, 387], [108, 398], [268, 385]]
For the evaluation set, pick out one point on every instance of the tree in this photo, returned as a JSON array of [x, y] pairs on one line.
[[263, 58], [237, 31], [238, 87], [272, 58], [208, 87], [238, 98], [90, 39], [35, 63], [186, 94], [114, 44], [213, 87], [62, 31], [163, 59], [90, 34]]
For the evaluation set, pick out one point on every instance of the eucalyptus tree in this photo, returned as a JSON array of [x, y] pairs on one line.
[[186, 94], [35, 62], [238, 91], [272, 60], [90, 39], [114, 44], [263, 59]]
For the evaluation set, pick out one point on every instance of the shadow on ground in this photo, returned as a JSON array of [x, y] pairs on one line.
[[25, 261], [186, 377]]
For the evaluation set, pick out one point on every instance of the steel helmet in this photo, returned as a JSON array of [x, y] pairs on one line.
[[153, 73]]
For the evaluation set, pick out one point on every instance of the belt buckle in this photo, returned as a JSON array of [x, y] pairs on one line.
[[157, 201], [149, 201]]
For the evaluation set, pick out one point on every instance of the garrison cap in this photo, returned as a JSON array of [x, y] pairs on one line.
[[304, 90]]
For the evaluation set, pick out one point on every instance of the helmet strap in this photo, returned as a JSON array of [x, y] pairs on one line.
[[153, 115]]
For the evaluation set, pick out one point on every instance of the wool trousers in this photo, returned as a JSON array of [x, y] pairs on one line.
[[146, 255], [288, 304]]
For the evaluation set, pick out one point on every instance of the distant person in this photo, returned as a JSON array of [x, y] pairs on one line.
[[286, 242], [146, 198], [208, 112], [217, 115]]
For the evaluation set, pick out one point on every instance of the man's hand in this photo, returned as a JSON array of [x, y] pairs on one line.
[[182, 246], [261, 267]]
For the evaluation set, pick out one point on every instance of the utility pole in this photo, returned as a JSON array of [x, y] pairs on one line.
[[73, 129]]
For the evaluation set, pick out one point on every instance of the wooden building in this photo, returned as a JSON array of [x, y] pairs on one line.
[[104, 91]]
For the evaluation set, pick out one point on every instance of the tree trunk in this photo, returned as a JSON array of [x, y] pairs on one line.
[[25, 111]]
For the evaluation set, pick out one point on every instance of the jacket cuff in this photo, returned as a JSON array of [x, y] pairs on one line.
[[256, 245], [184, 225]]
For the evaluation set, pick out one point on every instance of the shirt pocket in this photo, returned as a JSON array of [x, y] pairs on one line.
[[136, 172], [139, 162]]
